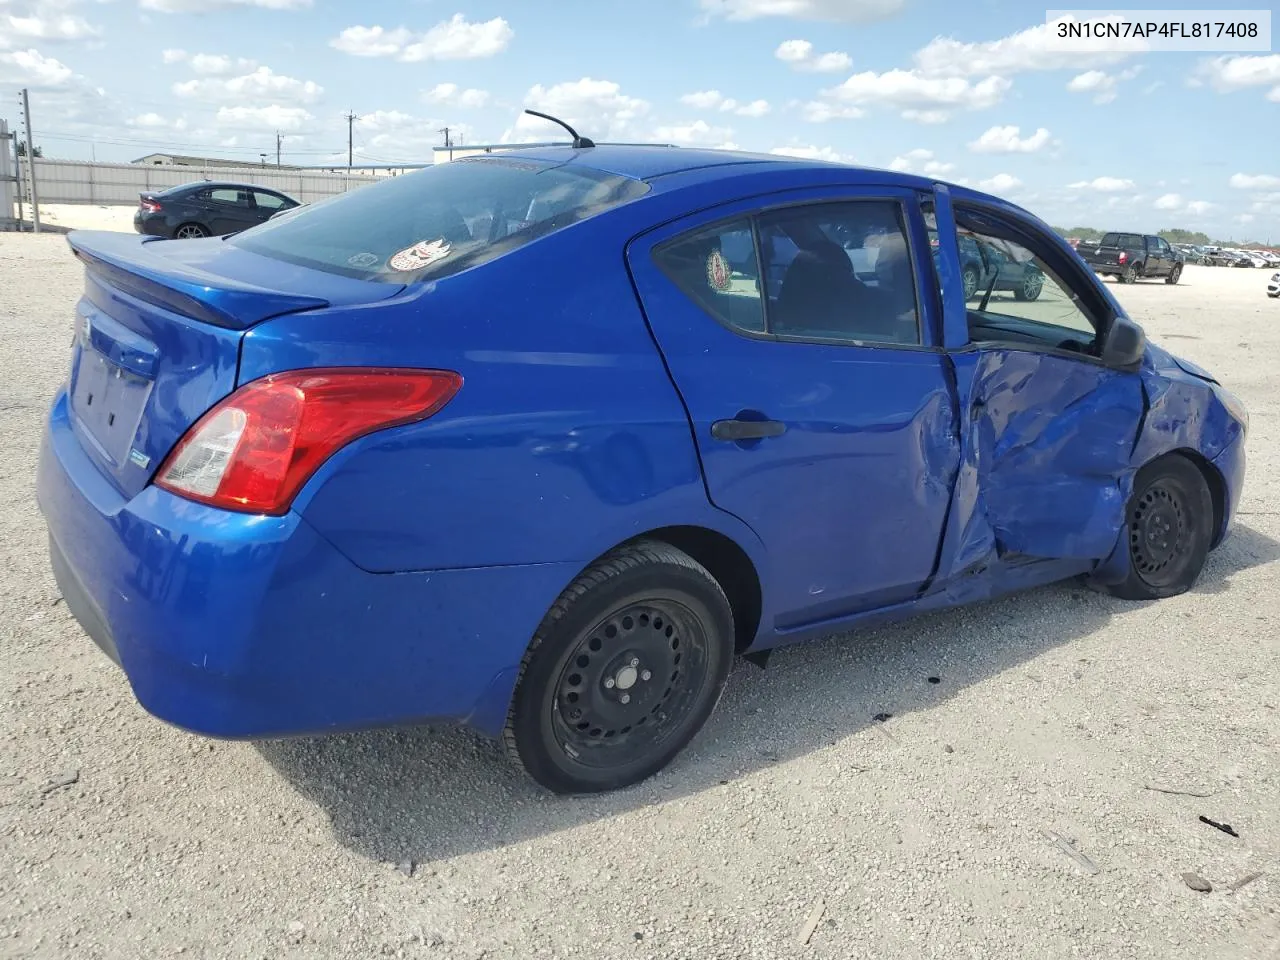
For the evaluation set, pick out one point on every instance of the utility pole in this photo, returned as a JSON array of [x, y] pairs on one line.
[[448, 143], [277, 148], [351, 119], [31, 161]]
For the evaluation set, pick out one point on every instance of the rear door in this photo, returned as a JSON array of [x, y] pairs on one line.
[[822, 417]]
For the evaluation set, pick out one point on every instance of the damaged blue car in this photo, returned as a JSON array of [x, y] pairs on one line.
[[539, 441]]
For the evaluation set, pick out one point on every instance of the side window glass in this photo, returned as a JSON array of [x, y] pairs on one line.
[[840, 271], [269, 201], [717, 269], [238, 198], [1012, 295]]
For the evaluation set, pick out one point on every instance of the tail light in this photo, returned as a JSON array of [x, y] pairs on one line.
[[254, 450], [149, 206], [1122, 258]]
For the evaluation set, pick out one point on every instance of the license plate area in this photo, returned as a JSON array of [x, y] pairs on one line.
[[108, 402]]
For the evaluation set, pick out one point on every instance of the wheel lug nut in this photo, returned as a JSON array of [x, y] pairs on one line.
[[635, 661], [575, 714], [609, 683], [645, 674], [625, 698]]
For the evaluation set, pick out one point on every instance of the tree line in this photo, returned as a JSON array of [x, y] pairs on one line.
[[1172, 234]]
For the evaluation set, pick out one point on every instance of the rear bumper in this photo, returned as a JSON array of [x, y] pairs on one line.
[[233, 625]]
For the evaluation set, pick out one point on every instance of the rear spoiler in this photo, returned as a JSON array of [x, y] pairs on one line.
[[124, 261]]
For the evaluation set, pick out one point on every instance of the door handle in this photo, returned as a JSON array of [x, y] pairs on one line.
[[737, 430]]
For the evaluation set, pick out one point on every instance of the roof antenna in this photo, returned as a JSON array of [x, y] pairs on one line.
[[579, 143]]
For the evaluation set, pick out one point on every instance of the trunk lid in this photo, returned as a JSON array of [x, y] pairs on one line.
[[158, 334]]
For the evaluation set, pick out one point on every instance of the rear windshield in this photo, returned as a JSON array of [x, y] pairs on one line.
[[440, 220], [1121, 240]]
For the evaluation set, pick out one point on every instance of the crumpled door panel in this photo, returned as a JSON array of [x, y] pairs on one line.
[[1047, 445]]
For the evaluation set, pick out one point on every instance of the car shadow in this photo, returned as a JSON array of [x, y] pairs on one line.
[[425, 794]]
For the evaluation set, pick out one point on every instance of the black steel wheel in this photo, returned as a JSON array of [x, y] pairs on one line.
[[969, 276], [190, 231], [623, 672], [1169, 527], [1175, 274]]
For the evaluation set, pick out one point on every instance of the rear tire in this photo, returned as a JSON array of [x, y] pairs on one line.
[[1175, 275], [190, 231], [1132, 275], [622, 673], [1168, 527], [969, 278]]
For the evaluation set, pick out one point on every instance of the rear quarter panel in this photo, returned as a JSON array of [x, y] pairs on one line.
[[566, 437]]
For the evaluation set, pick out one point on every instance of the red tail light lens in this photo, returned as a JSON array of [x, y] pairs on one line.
[[255, 449], [149, 206], [1122, 258]]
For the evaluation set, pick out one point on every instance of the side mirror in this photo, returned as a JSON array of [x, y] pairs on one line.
[[1125, 343]]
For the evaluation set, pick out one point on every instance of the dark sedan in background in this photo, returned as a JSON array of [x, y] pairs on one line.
[[207, 209]]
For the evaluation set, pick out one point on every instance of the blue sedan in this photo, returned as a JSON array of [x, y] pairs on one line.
[[538, 442]]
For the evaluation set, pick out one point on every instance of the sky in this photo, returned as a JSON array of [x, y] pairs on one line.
[[969, 91]]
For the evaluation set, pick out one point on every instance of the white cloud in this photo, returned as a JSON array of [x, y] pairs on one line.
[[596, 108], [1036, 48], [174, 56], [1259, 181], [1103, 185], [1199, 206], [1006, 140], [800, 54], [846, 11], [820, 111], [1102, 85], [1228, 74], [261, 84], [31, 68], [697, 133], [273, 116], [204, 6], [1000, 183], [1244, 218], [454, 39], [715, 100], [926, 116], [922, 98], [149, 121], [55, 28], [812, 153], [921, 161], [217, 65], [1170, 201], [451, 95]]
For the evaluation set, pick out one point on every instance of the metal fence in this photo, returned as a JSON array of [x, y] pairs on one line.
[[74, 181]]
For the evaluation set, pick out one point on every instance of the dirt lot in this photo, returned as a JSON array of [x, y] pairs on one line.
[[921, 837]]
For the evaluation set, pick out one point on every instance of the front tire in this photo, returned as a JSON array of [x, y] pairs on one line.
[[969, 278], [1030, 288], [1169, 527], [1175, 275], [622, 673]]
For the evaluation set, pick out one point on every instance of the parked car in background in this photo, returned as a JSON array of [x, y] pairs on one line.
[[207, 209], [1273, 288], [985, 267], [539, 441], [1130, 257]]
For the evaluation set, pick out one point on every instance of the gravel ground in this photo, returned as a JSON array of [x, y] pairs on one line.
[[920, 837]]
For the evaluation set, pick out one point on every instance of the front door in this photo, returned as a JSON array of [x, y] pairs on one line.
[[1048, 430], [796, 333]]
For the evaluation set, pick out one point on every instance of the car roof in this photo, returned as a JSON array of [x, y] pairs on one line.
[[223, 184], [651, 163]]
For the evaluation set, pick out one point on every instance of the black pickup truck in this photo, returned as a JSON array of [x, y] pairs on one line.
[[1130, 257]]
